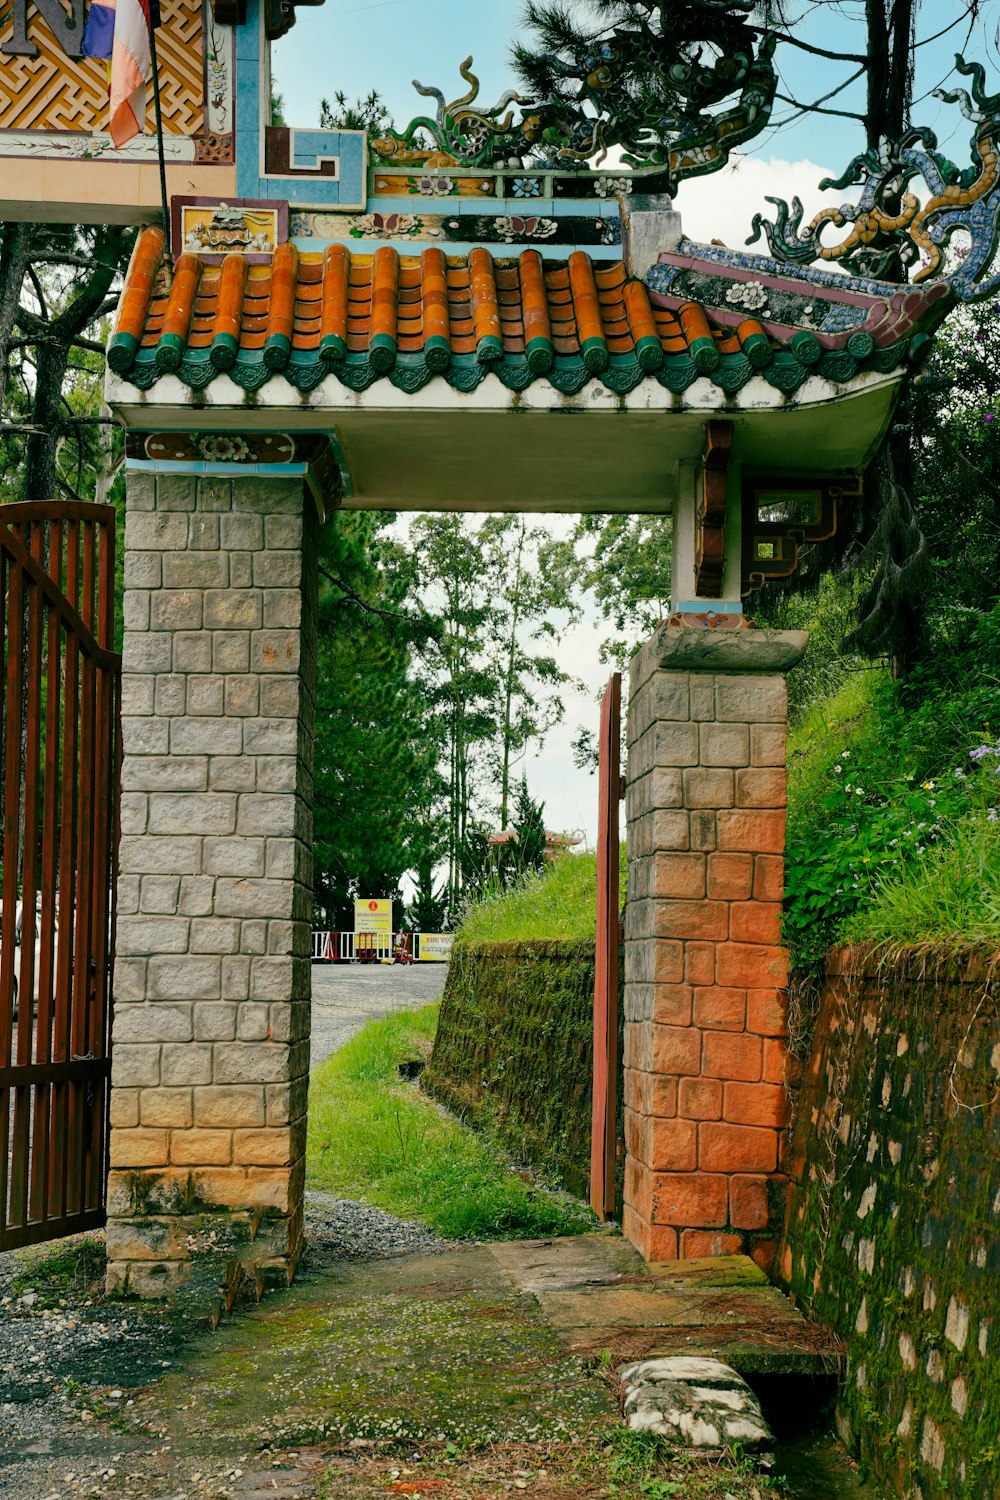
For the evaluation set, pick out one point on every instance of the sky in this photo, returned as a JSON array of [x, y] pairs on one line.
[[357, 45]]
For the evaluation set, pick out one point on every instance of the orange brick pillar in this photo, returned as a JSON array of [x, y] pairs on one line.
[[705, 1006]]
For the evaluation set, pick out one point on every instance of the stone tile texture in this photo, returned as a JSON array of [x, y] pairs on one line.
[[211, 1037], [705, 1005], [892, 1228]]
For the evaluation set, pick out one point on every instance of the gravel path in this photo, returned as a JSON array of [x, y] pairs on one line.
[[347, 996], [338, 1229], [70, 1364]]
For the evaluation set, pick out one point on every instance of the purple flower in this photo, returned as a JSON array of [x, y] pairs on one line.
[[981, 752], [989, 418]]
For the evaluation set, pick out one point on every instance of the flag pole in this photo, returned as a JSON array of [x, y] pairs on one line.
[[167, 228]]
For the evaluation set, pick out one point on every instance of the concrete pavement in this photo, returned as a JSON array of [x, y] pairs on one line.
[[348, 996]]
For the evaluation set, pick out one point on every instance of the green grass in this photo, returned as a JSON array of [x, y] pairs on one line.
[[891, 788], [557, 902], [820, 732], [374, 1137], [952, 897], [612, 1463]]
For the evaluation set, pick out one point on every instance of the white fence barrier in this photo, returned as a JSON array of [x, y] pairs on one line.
[[378, 947]]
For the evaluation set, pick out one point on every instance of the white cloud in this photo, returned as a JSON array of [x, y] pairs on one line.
[[722, 206]]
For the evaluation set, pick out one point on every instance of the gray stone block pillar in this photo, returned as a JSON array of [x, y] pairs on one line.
[[212, 976]]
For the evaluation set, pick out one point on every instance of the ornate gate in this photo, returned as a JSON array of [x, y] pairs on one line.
[[59, 755], [604, 1129]]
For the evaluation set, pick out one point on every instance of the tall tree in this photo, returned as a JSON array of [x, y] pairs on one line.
[[499, 609], [891, 610], [623, 561], [376, 783], [455, 588], [525, 593], [868, 78], [57, 284]]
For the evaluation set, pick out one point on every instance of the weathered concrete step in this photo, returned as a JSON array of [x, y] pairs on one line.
[[599, 1295]]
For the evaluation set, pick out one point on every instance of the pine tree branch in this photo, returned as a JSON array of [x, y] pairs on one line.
[[816, 109], [57, 258], [786, 36], [365, 604], [33, 278]]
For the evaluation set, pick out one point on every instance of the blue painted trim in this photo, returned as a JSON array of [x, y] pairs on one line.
[[347, 192], [708, 607], [219, 470]]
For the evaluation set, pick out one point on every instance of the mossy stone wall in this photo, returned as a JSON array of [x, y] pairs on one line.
[[893, 1235], [514, 1049]]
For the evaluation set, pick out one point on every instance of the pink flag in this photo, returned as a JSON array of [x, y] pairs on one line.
[[131, 69]]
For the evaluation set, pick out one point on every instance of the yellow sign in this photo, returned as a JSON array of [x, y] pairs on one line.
[[435, 947], [222, 230], [373, 914]]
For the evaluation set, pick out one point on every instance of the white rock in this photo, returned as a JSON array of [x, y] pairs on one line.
[[698, 1403]]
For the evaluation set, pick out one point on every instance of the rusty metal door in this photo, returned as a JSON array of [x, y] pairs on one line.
[[604, 1127], [59, 756]]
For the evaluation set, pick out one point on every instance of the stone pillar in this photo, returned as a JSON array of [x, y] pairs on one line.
[[212, 976], [705, 1006]]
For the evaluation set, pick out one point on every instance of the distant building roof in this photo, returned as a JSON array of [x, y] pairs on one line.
[[553, 841]]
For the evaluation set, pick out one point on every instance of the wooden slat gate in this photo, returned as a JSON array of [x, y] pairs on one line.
[[604, 1129], [59, 755]]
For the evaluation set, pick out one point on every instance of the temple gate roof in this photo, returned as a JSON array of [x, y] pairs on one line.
[[393, 355], [524, 318]]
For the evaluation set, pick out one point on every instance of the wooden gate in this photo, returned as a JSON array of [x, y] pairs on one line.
[[59, 756], [604, 1129]]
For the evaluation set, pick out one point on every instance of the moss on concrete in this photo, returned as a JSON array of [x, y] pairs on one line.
[[514, 1049], [892, 1236]]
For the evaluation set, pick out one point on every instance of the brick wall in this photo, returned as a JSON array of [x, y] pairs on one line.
[[895, 1203], [212, 976], [705, 1008]]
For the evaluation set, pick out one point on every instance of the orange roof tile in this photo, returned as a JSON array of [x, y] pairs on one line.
[[360, 317]]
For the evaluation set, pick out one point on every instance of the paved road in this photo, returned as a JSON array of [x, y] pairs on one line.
[[347, 996]]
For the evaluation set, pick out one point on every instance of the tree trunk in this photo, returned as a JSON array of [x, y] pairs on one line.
[[15, 241], [509, 682], [41, 448]]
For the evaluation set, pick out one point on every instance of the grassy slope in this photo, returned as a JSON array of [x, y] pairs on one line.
[[374, 1137], [557, 902], [918, 859]]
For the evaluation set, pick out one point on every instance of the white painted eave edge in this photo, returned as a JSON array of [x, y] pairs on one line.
[[172, 406]]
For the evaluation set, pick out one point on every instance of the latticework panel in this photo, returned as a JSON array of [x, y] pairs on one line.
[[56, 92]]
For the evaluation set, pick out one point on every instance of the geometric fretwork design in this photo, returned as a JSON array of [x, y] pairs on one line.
[[56, 92]]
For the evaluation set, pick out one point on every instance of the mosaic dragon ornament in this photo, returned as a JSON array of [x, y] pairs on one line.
[[462, 133], [648, 89], [890, 227]]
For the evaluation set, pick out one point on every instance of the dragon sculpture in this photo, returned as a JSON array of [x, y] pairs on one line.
[[462, 135], [889, 229], [649, 89]]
